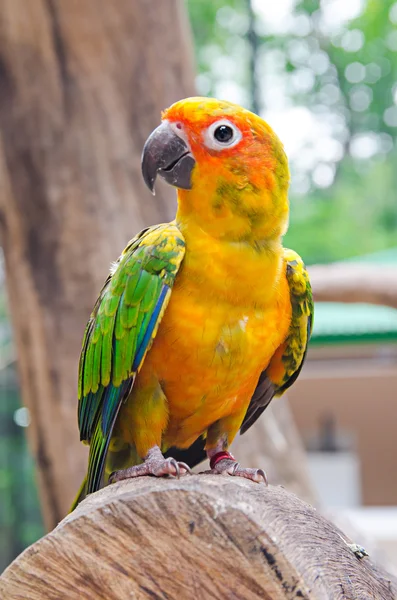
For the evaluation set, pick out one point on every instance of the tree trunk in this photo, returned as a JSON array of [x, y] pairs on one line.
[[82, 84], [198, 537], [355, 282]]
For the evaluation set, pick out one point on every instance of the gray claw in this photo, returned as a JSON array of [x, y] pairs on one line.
[[186, 467], [175, 464], [235, 468], [179, 466], [262, 473]]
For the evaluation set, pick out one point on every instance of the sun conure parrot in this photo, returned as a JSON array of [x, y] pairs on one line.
[[202, 320]]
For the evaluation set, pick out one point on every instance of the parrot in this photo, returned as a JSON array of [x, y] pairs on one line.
[[203, 320]]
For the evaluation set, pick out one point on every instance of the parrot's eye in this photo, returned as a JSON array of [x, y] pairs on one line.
[[222, 134]]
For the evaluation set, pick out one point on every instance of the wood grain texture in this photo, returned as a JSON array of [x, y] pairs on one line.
[[195, 538], [82, 84]]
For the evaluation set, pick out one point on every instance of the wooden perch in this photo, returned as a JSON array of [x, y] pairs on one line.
[[355, 282], [202, 536]]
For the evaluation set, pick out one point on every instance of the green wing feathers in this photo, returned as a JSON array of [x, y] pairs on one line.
[[287, 361], [119, 333], [301, 320]]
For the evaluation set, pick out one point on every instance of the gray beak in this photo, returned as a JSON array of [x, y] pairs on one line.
[[166, 154]]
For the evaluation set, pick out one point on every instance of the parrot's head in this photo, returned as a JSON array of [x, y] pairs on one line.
[[229, 166]]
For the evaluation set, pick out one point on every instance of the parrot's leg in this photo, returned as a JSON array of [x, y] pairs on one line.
[[142, 421], [219, 437], [223, 463], [154, 464]]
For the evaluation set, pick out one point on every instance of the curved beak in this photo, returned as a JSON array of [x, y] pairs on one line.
[[166, 154]]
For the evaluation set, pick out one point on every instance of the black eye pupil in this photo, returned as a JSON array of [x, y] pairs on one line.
[[223, 133]]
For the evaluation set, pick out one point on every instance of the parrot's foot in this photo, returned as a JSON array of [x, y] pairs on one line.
[[154, 464], [223, 463]]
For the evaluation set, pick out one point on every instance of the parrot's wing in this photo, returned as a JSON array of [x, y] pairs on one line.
[[288, 359], [286, 362], [119, 333]]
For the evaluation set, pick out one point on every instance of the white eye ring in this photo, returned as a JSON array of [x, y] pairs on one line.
[[210, 140]]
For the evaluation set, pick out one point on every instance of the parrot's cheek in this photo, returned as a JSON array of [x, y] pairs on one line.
[[166, 154]]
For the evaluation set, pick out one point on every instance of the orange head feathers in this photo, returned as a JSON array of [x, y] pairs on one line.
[[229, 165]]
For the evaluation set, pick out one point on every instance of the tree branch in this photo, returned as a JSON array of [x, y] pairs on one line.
[[352, 282], [198, 537]]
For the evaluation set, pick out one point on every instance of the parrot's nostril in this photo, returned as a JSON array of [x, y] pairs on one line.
[[178, 126]]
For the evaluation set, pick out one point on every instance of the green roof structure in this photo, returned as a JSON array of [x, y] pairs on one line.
[[383, 257], [336, 322], [340, 323]]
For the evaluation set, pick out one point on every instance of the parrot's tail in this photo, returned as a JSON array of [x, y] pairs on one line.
[[81, 494]]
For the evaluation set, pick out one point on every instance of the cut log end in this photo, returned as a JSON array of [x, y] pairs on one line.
[[197, 537]]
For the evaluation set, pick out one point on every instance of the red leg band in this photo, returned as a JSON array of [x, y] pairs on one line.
[[220, 456]]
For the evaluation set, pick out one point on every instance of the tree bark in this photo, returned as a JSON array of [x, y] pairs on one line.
[[82, 84], [355, 282], [197, 537]]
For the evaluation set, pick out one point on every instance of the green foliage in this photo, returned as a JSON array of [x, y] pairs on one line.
[[219, 30], [20, 519], [358, 215], [378, 57], [353, 67]]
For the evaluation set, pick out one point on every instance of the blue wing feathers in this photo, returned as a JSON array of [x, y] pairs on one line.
[[119, 334], [142, 347]]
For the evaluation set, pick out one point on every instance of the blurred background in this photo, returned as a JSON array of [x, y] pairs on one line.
[[80, 90]]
